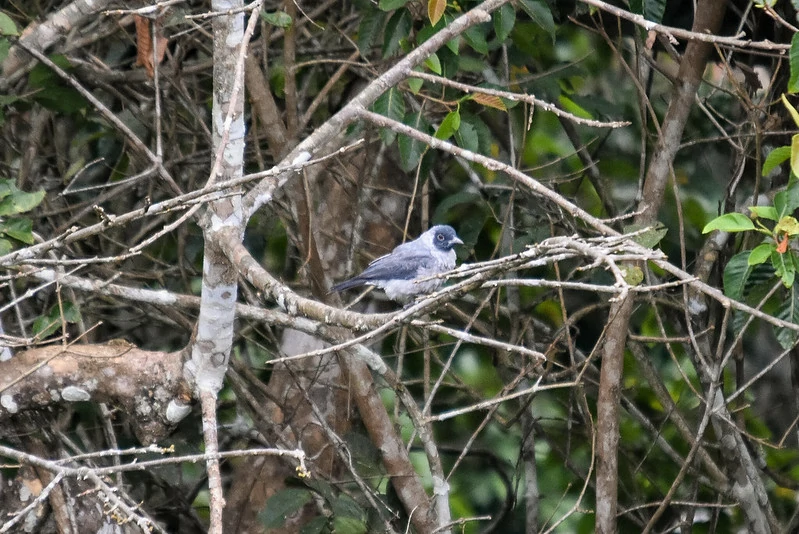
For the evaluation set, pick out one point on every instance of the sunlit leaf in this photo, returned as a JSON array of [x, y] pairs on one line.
[[435, 9], [450, 125], [795, 154], [7, 25], [433, 63], [764, 212], [730, 222], [792, 111], [760, 253]]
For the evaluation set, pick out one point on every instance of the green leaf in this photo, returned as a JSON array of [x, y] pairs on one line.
[[573, 107], [504, 20], [410, 149], [20, 202], [788, 311], [5, 246], [71, 313], [398, 28], [281, 19], [539, 11], [793, 83], [786, 202], [5, 46], [760, 253], [391, 5], [46, 325], [730, 222], [650, 237], [371, 23], [348, 525], [345, 506], [18, 228], [283, 504], [736, 274], [476, 38], [481, 132], [466, 137], [776, 157], [764, 212], [433, 63], [52, 92], [784, 267], [317, 525], [654, 9], [415, 85], [390, 104], [7, 25], [6, 188], [450, 125]]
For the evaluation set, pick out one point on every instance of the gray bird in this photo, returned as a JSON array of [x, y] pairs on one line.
[[398, 273]]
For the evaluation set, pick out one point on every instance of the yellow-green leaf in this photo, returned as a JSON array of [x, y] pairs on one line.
[[632, 275], [788, 225], [433, 63], [791, 109], [7, 25], [435, 9], [795, 154]]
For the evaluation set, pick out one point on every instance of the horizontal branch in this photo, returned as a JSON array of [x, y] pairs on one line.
[[672, 32], [147, 384]]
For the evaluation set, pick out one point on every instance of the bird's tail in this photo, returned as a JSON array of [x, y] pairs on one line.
[[347, 284]]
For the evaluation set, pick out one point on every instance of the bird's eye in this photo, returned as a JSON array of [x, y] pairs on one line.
[[440, 237]]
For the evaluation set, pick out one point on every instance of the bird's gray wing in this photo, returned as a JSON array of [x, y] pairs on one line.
[[399, 265]]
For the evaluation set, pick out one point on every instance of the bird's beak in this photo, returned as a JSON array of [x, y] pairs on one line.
[[456, 241]]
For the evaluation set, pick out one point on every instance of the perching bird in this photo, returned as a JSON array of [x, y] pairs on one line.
[[398, 273]]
